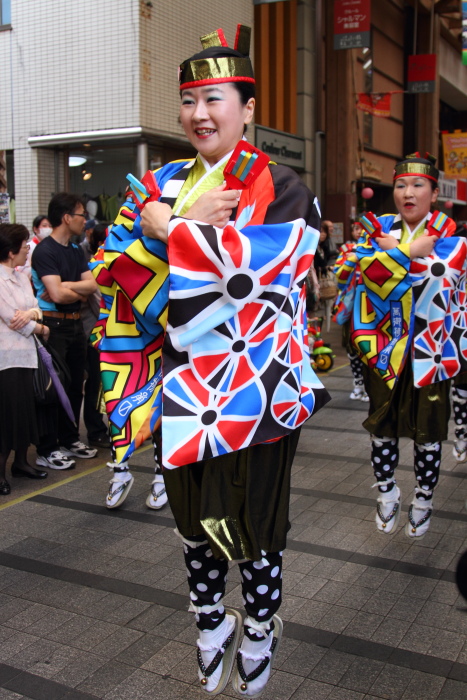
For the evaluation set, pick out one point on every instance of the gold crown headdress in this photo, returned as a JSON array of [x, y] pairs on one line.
[[217, 63], [415, 165]]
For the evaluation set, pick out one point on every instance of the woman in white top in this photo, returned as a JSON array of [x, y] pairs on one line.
[[20, 319]]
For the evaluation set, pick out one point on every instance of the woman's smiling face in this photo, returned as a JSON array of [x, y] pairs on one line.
[[413, 197], [213, 118]]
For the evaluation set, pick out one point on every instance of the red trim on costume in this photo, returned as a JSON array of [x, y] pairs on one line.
[[213, 81], [237, 35], [222, 38], [430, 177]]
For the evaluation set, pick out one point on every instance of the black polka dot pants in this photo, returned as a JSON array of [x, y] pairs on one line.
[[385, 457], [356, 366], [427, 462], [261, 584], [384, 460], [459, 404]]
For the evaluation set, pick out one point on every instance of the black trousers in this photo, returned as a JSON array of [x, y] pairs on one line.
[[68, 340], [95, 426]]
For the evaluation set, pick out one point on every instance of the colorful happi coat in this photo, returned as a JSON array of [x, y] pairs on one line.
[[347, 272], [412, 309], [223, 309]]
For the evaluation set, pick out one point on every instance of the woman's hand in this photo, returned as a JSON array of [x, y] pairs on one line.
[[21, 318], [387, 242], [214, 207], [422, 247], [155, 219]]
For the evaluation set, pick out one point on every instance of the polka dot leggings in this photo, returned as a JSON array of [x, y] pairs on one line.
[[356, 366], [459, 404], [385, 458], [261, 584]]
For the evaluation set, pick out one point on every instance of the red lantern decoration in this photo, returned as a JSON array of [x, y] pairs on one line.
[[449, 204], [367, 193]]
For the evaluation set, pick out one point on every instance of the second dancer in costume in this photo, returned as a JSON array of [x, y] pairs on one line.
[[400, 279]]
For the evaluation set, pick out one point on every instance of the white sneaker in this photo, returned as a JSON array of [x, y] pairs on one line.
[[119, 488], [460, 450], [420, 512], [55, 460], [364, 397], [158, 496], [388, 510], [79, 449]]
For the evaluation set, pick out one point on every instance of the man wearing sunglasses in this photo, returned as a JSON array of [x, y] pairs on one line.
[[62, 281]]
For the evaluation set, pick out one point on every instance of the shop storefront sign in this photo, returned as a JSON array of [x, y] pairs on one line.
[[281, 147], [352, 24], [421, 73], [455, 154], [452, 189]]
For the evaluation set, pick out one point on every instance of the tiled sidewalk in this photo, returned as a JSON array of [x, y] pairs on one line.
[[93, 603]]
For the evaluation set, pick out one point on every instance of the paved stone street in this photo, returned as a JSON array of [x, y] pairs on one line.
[[93, 603]]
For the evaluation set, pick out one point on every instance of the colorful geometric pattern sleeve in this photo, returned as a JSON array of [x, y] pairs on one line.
[[132, 273], [236, 366], [383, 319], [345, 271]]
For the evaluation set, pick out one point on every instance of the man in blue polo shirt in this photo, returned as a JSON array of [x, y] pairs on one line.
[[62, 281]]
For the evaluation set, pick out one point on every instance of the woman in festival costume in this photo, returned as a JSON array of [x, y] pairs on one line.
[[406, 377], [237, 382], [347, 274]]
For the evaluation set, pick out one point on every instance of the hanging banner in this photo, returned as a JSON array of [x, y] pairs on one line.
[[421, 73], [464, 33], [352, 24], [455, 154], [4, 208], [376, 103]]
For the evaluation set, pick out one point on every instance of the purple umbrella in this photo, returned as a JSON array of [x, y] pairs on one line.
[[64, 400]]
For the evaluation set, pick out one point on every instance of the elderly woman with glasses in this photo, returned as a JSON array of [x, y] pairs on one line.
[[20, 319]]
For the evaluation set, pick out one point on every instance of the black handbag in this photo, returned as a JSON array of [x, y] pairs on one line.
[[43, 387]]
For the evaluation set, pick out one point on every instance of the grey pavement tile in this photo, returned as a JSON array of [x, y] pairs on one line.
[[97, 632], [175, 624], [423, 686], [18, 642], [397, 582], [303, 563], [32, 655], [381, 602], [172, 580], [436, 613], [106, 678], [134, 687], [141, 650], [363, 625], [345, 694], [9, 695], [331, 592], [167, 657], [313, 690], [301, 585], [332, 667], [361, 675], [311, 613], [150, 618], [117, 608], [452, 690], [420, 587], [447, 645], [49, 622], [407, 608], [291, 605], [355, 597], [282, 686], [27, 617], [392, 682], [391, 631], [11, 607], [445, 592], [302, 660], [117, 642], [81, 666], [32, 547], [349, 573], [418, 638], [70, 630]]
